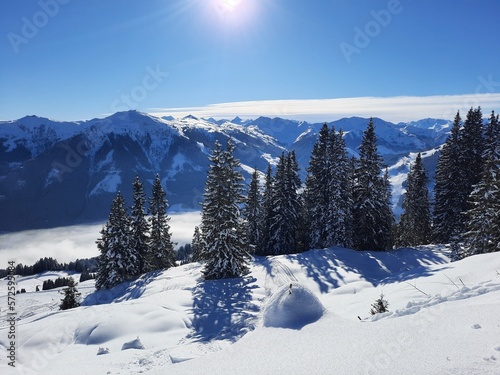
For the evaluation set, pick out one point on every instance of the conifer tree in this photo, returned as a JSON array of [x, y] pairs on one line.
[[338, 216], [140, 227], [253, 207], [316, 193], [286, 207], [197, 245], [372, 217], [267, 211], [483, 234], [447, 220], [415, 222], [160, 241], [223, 229], [117, 260], [71, 296]]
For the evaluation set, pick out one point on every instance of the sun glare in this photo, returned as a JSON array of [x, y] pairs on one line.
[[227, 5]]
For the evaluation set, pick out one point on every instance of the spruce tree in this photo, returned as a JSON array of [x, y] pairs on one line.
[[160, 241], [415, 222], [117, 260], [140, 227], [447, 218], [197, 245], [483, 227], [71, 296], [286, 207], [253, 213], [316, 195], [372, 216], [225, 247], [267, 212], [338, 216]]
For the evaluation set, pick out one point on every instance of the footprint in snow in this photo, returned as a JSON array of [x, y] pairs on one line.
[[490, 358], [475, 326], [497, 348]]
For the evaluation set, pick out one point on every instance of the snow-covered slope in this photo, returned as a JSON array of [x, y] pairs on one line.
[[65, 173], [443, 319]]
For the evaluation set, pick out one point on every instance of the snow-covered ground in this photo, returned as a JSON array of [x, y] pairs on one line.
[[444, 318]]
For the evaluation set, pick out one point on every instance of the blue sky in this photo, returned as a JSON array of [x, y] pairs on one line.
[[76, 59]]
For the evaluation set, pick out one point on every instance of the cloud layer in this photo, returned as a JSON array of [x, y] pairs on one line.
[[395, 109]]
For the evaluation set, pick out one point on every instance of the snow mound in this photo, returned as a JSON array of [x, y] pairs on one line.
[[102, 351], [292, 306], [134, 344]]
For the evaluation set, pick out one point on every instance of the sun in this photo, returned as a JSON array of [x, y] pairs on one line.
[[227, 5]]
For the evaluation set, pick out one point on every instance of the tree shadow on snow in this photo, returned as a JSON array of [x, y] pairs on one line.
[[131, 289], [329, 267], [223, 309]]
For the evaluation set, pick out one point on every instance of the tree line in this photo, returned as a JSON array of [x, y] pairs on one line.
[[345, 201]]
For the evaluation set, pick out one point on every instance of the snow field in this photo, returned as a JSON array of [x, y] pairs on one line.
[[442, 319]]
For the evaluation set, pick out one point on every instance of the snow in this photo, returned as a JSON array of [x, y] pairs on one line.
[[292, 306], [442, 319]]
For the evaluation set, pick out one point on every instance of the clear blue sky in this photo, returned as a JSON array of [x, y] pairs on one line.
[[78, 59]]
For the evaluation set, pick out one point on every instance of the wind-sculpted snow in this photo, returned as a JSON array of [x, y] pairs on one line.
[[442, 319], [292, 306]]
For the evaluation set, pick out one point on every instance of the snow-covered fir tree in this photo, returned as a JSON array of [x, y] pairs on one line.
[[253, 213], [160, 241], [415, 223], [339, 213], [267, 212], [197, 245], [117, 260], [380, 305], [483, 227], [328, 191], [372, 223], [139, 227], [447, 218], [316, 194], [286, 207], [225, 251], [71, 296]]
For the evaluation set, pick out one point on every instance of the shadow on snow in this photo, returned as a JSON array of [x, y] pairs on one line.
[[329, 267], [223, 309]]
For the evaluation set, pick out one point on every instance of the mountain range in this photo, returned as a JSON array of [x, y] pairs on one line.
[[55, 173]]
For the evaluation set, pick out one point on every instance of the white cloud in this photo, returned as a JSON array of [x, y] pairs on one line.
[[394, 109]]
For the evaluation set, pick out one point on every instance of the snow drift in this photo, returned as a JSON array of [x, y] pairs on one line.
[[292, 306]]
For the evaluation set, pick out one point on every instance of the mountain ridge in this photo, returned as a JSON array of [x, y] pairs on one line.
[[61, 173]]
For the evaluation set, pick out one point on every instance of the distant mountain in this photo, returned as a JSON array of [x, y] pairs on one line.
[[60, 173]]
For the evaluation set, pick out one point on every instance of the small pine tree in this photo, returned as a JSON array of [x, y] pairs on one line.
[[380, 305], [415, 223], [140, 228], [197, 246], [71, 296], [160, 241], [252, 213]]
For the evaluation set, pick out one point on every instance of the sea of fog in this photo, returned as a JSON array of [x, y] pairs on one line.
[[76, 242]]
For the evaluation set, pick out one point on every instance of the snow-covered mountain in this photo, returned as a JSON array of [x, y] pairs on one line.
[[60, 173]]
